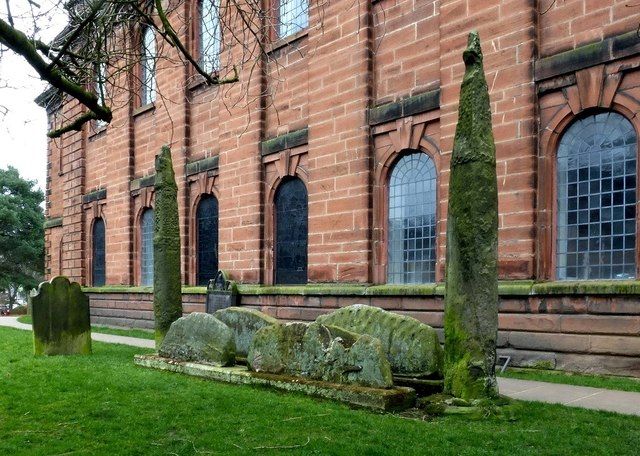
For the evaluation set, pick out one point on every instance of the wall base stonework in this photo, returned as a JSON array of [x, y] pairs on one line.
[[597, 334]]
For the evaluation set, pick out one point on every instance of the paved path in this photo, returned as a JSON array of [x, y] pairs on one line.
[[526, 390], [109, 338]]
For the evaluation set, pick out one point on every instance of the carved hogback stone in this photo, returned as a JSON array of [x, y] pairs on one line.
[[320, 352], [244, 323], [412, 347], [199, 337], [61, 324]]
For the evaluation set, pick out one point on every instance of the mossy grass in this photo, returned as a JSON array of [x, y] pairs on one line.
[[568, 378], [103, 404], [130, 332]]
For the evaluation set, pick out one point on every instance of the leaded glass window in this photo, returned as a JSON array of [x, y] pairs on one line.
[[98, 241], [146, 248], [207, 220], [412, 220], [101, 87], [293, 17], [210, 35], [291, 232], [596, 175], [148, 64]]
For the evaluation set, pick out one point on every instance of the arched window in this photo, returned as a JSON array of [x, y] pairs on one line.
[[207, 221], [596, 177], [146, 248], [412, 220], [148, 66], [291, 232], [98, 274], [210, 35]]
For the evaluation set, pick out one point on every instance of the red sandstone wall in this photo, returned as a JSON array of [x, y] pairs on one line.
[[363, 55], [571, 23]]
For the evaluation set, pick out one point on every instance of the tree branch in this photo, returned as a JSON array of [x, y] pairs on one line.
[[19, 43], [175, 41], [76, 125]]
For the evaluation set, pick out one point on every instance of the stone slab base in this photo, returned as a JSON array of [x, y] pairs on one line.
[[393, 399]]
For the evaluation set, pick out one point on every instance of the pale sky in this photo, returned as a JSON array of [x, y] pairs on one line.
[[23, 141]]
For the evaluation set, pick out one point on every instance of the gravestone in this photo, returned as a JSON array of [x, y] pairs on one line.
[[471, 296], [221, 293], [61, 324]]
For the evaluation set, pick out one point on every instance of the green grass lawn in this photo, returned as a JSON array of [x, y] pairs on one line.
[[104, 405], [140, 333], [568, 378]]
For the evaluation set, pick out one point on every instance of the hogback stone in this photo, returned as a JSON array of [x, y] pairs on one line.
[[199, 337], [244, 323], [61, 324], [319, 352], [167, 292], [412, 347], [471, 297]]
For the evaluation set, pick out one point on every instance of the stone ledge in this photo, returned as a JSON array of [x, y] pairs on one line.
[[201, 166], [403, 108], [589, 55], [282, 142], [52, 222], [505, 288], [396, 398], [96, 195], [141, 182]]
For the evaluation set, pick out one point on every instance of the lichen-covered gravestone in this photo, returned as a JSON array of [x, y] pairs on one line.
[[319, 352], [412, 347], [167, 292], [244, 323], [61, 324], [199, 337], [471, 299]]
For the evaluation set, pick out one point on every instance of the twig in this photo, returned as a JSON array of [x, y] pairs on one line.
[[308, 416], [283, 447]]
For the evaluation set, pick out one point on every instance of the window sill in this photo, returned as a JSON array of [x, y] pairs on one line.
[[143, 109], [97, 132], [198, 82], [287, 40]]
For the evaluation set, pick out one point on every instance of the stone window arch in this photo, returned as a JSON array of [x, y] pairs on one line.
[[596, 195], [207, 239], [411, 220], [291, 232]]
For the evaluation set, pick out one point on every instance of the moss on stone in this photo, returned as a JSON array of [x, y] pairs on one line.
[[471, 300], [244, 323], [61, 322], [316, 351], [411, 346], [599, 287], [167, 296], [199, 337]]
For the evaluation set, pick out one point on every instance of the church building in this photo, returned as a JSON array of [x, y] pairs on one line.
[[320, 178]]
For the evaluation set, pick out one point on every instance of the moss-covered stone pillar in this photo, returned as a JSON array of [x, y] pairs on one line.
[[61, 324], [471, 300], [167, 296]]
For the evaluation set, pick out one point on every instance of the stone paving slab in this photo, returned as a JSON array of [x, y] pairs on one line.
[[12, 322], [572, 396], [384, 399]]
